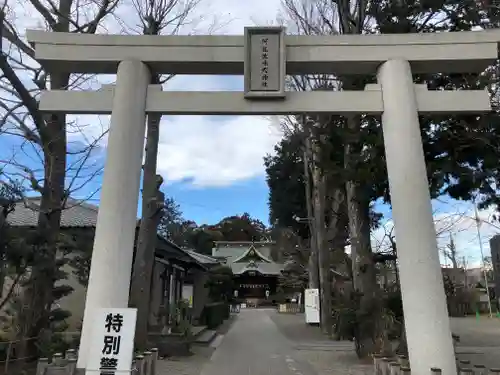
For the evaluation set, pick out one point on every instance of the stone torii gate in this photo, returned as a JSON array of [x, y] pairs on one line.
[[264, 56]]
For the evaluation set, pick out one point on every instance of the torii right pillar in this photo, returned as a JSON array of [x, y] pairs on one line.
[[426, 317]]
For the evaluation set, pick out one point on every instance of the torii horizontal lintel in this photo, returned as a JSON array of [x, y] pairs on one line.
[[234, 103], [459, 52]]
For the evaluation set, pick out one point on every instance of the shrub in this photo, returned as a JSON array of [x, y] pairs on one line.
[[220, 284], [215, 313]]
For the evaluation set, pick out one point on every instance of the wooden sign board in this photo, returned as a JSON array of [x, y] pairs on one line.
[[265, 62]]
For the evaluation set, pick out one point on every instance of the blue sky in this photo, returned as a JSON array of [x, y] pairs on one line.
[[213, 165]]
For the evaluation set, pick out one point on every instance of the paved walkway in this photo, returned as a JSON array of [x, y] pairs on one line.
[[255, 346], [479, 340], [264, 342]]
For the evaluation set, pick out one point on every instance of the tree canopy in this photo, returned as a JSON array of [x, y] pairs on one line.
[[188, 234], [461, 151]]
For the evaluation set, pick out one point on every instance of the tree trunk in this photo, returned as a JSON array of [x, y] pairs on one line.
[[3, 220], [325, 287], [370, 329], [38, 298], [313, 267], [144, 258]]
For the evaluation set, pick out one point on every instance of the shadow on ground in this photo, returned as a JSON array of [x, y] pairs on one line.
[[325, 356]]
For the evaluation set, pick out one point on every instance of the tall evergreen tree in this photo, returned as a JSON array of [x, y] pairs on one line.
[[460, 151]]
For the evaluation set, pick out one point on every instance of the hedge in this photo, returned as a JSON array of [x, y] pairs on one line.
[[214, 314]]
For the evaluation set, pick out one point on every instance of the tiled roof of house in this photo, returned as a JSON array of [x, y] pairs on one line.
[[202, 258], [76, 214]]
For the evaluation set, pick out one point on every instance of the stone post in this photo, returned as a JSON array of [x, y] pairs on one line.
[[154, 359], [147, 363], [109, 279], [384, 366], [403, 361], [377, 359], [394, 368], [41, 366], [139, 364], [480, 370], [464, 363], [426, 316]]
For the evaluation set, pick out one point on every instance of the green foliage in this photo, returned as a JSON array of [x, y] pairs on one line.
[[344, 322], [180, 318], [394, 303], [220, 284], [172, 223], [14, 254], [285, 178], [461, 151], [76, 245], [187, 234], [240, 228], [214, 314], [21, 249], [202, 239]]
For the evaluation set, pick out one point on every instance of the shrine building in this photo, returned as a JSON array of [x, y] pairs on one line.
[[255, 271]]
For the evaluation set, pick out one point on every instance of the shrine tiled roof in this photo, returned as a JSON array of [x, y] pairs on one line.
[[248, 256], [233, 250], [261, 267]]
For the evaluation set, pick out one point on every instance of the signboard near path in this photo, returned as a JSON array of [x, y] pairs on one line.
[[112, 342], [311, 302]]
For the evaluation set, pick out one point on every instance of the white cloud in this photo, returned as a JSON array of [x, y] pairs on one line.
[[204, 151], [215, 151], [234, 15], [210, 150], [457, 220]]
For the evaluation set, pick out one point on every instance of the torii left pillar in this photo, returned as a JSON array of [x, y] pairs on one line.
[[109, 279]]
